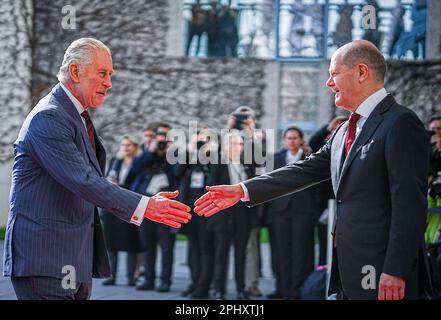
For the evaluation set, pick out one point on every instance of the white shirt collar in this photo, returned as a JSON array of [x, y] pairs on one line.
[[292, 158], [368, 105], [74, 100]]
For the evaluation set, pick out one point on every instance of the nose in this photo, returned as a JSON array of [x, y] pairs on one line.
[[330, 82], [107, 82]]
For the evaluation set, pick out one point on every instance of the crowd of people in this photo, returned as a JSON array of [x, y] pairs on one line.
[[290, 221]]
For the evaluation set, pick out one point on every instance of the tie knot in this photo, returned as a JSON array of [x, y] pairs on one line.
[[353, 118], [85, 115]]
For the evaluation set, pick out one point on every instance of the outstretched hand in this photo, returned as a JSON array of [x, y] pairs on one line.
[[217, 199], [163, 210]]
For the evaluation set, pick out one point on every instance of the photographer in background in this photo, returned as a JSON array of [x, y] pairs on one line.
[[243, 119], [152, 172], [193, 176]]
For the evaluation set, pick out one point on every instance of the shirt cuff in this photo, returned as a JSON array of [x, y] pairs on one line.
[[246, 196], [138, 215]]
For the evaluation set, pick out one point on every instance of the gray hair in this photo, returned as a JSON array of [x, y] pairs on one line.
[[79, 52]]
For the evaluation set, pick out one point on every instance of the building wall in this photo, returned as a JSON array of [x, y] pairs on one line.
[[15, 84], [154, 82]]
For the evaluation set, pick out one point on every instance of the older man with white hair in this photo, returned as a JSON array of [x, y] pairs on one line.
[[54, 243]]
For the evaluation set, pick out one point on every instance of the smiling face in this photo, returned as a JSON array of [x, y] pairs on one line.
[[343, 82], [92, 83]]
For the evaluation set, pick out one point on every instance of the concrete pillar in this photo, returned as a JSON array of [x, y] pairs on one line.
[[433, 34], [175, 32]]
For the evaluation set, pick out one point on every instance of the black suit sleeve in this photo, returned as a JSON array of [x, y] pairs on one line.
[[407, 164], [316, 141], [292, 178]]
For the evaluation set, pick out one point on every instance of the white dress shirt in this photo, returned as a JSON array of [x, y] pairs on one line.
[[138, 215], [291, 158], [364, 110], [367, 106]]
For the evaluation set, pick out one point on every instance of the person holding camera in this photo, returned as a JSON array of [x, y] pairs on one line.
[[243, 119], [153, 173], [193, 176]]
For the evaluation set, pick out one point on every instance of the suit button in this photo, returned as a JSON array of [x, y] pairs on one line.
[[339, 201]]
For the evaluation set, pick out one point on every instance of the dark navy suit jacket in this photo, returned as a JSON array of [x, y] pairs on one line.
[[380, 189], [57, 183]]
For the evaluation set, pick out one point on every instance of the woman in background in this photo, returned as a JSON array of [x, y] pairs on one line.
[[119, 235]]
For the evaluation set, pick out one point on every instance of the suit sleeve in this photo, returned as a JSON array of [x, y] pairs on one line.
[[51, 143], [407, 164], [292, 178]]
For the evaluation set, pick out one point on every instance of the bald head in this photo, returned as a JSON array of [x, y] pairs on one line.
[[365, 52]]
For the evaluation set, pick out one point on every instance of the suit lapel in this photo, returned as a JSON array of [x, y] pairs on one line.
[[371, 124], [337, 155], [101, 153], [68, 105]]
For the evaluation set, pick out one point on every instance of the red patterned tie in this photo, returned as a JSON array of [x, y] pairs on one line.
[[352, 129], [90, 130]]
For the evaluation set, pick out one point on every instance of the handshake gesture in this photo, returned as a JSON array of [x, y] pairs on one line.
[[162, 209], [218, 198]]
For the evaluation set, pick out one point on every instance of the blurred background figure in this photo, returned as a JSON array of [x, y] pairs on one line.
[[196, 27], [435, 140], [193, 176], [119, 235], [243, 119], [293, 220], [151, 171], [227, 31], [324, 190], [233, 225]]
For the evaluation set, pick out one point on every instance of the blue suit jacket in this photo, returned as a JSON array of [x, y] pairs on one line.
[[57, 183]]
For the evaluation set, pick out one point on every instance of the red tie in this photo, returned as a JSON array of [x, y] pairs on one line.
[[352, 128], [90, 130]]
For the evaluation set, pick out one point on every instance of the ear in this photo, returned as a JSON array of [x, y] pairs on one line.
[[74, 72], [363, 72]]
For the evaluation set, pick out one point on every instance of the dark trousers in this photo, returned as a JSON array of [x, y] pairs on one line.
[[206, 246], [131, 263], [275, 265], [153, 234], [322, 231], [222, 242], [48, 288], [295, 248], [197, 235]]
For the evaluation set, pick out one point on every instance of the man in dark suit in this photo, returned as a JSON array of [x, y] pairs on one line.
[[54, 243], [293, 218], [377, 162]]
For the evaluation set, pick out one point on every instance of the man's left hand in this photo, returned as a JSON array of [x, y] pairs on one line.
[[391, 287]]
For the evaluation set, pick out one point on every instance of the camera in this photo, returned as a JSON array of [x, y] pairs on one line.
[[240, 119], [162, 145]]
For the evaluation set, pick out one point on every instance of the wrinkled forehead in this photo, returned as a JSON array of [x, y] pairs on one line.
[[102, 59]]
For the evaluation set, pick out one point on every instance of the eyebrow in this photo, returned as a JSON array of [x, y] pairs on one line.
[[112, 72]]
